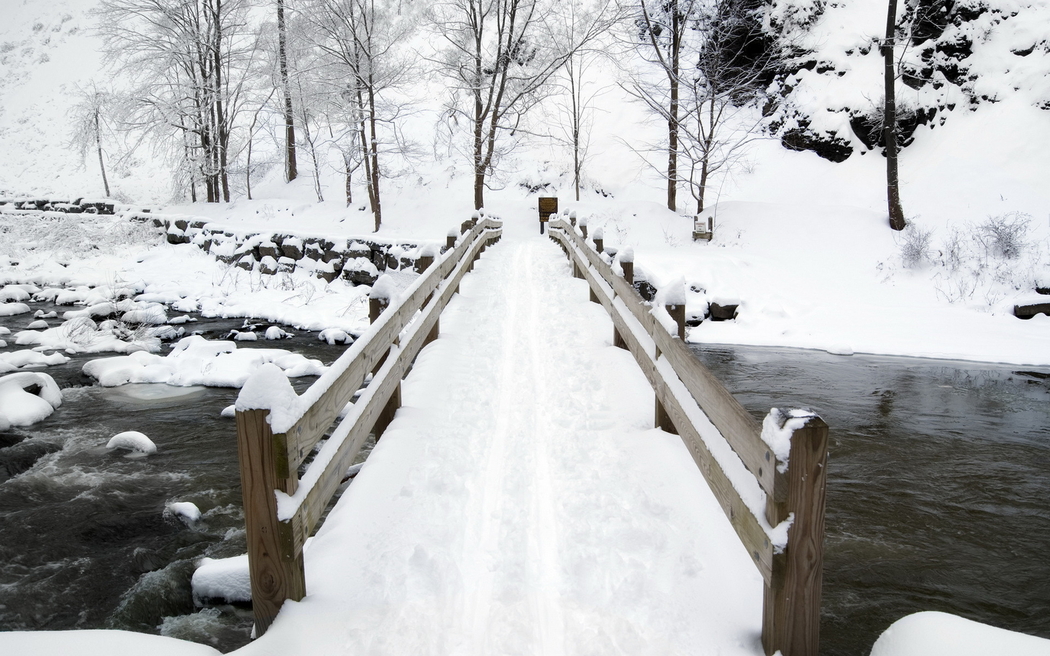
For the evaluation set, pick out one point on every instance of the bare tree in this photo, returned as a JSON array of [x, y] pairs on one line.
[[889, 130], [189, 61], [716, 70], [359, 42], [663, 28], [88, 123], [581, 95], [499, 57]]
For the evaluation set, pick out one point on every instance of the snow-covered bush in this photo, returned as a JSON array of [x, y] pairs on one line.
[[915, 245], [1004, 235]]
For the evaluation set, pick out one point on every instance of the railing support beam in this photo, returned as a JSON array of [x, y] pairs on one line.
[[276, 570], [791, 609]]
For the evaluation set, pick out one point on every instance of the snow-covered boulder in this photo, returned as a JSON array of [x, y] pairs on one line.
[[933, 633], [133, 441], [11, 309], [195, 360], [27, 398], [222, 578]]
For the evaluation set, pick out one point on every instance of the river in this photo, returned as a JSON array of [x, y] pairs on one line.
[[938, 480]]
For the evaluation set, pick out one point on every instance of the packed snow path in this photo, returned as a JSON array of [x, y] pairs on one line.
[[520, 502]]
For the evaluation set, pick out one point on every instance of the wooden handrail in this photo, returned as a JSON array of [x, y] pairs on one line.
[[280, 509], [706, 415]]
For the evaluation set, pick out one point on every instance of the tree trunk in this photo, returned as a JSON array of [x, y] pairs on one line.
[[893, 197], [672, 109], [290, 166], [98, 145]]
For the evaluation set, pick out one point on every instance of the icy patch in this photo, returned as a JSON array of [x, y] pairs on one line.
[[133, 441], [777, 429]]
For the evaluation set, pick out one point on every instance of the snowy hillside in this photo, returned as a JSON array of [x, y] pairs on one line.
[[810, 264]]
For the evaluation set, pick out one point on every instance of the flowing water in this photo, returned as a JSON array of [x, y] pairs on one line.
[[938, 484], [85, 540]]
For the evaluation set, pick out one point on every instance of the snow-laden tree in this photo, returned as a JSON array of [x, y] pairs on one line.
[[361, 59], [188, 62], [89, 121], [499, 57]]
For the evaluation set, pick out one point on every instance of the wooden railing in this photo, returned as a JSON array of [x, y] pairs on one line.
[[729, 448], [275, 437]]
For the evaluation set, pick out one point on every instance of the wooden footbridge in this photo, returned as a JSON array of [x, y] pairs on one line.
[[781, 528]]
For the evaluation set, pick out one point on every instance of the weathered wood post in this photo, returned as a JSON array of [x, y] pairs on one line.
[[599, 240], [791, 608], [275, 568], [547, 205], [627, 265], [677, 312], [379, 299], [450, 239], [583, 227], [422, 264]]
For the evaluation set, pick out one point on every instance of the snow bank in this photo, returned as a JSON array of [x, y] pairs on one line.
[[941, 634], [98, 643], [27, 398], [197, 361]]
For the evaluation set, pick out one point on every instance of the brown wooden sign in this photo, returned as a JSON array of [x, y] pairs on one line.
[[548, 206]]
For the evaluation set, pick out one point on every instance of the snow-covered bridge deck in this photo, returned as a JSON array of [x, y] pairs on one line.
[[520, 502]]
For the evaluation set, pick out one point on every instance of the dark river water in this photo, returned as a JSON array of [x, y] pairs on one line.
[[938, 484], [85, 541]]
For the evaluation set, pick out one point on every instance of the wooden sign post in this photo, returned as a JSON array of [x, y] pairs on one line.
[[548, 206]]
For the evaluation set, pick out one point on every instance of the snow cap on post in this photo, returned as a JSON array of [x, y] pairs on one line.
[[583, 220], [627, 255], [429, 250], [777, 429], [598, 234], [384, 289], [674, 292], [268, 389]]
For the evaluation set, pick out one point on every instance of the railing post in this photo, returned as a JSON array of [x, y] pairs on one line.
[[677, 312], [791, 608], [276, 570], [377, 302], [599, 240], [450, 239]]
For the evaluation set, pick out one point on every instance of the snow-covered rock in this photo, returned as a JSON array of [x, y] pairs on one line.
[[933, 633], [195, 360], [133, 441], [27, 398]]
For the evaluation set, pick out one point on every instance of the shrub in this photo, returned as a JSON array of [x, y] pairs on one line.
[[915, 245], [1004, 235]]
